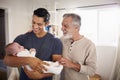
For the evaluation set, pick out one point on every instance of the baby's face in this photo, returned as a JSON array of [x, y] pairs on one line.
[[17, 47]]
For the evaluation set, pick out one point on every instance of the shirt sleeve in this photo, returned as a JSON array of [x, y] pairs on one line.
[[89, 66], [57, 46]]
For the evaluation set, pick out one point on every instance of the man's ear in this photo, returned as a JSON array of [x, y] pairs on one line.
[[47, 23], [76, 28]]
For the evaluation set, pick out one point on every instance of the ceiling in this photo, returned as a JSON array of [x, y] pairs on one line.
[[80, 3], [76, 3]]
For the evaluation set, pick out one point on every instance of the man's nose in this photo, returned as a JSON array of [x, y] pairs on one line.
[[62, 28], [35, 26]]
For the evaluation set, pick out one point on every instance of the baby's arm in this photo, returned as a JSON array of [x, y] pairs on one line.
[[32, 52]]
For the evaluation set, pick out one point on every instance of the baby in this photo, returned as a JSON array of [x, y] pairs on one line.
[[15, 49]]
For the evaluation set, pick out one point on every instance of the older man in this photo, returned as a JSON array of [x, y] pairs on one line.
[[79, 53]]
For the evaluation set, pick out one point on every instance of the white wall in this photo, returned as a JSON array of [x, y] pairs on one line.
[[17, 17]]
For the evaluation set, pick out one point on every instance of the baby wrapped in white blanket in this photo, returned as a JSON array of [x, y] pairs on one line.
[[53, 67]]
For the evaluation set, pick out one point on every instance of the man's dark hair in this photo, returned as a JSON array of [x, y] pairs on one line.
[[42, 12]]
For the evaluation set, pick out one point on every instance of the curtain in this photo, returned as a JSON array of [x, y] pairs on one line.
[[117, 67]]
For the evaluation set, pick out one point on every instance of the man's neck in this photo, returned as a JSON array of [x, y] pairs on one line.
[[77, 37], [42, 34]]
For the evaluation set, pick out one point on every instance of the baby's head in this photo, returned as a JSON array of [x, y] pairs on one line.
[[13, 48]]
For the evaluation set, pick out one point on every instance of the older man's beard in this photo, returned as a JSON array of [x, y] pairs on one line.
[[67, 36]]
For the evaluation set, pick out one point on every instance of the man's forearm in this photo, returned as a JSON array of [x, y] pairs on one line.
[[56, 57], [36, 75], [40, 76], [46, 75], [16, 61], [76, 67]]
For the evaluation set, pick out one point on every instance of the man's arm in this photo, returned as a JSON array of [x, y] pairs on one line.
[[56, 57], [14, 61], [69, 64], [57, 54], [36, 75], [90, 63]]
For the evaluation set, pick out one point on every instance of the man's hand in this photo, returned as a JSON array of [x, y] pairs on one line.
[[36, 64], [69, 64], [65, 62], [33, 74]]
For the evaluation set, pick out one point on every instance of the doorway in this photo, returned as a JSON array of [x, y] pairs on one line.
[[2, 33]]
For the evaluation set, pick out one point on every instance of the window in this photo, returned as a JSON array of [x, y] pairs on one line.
[[98, 24]]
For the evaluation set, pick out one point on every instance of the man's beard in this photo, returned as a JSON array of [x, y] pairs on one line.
[[67, 36]]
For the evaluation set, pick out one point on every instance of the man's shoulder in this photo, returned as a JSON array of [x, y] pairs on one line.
[[22, 38], [28, 34], [88, 41], [57, 40], [52, 37]]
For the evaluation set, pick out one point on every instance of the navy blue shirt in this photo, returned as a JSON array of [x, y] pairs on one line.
[[45, 48]]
